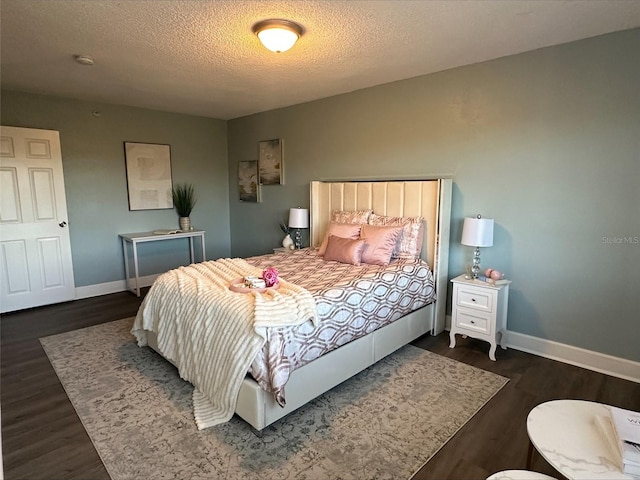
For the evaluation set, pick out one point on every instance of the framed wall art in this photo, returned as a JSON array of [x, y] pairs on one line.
[[270, 162], [148, 168], [248, 185]]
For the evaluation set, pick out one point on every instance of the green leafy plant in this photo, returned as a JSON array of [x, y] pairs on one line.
[[184, 198], [283, 226]]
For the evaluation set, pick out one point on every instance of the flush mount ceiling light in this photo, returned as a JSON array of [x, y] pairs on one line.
[[277, 35]]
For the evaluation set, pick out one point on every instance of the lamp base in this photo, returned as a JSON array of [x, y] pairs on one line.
[[475, 268]]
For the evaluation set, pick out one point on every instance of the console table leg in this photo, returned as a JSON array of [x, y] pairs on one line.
[[191, 254], [125, 254], [135, 268]]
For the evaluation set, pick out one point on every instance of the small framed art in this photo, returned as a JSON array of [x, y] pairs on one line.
[[270, 162], [248, 181]]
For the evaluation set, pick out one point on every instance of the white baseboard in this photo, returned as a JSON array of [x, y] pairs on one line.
[[580, 357], [111, 287], [596, 361]]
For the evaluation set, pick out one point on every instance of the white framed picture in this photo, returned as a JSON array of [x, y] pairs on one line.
[[148, 168]]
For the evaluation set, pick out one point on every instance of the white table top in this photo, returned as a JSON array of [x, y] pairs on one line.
[[565, 434], [480, 283], [520, 475], [142, 236]]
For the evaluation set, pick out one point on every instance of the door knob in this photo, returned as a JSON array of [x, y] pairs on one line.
[[63, 224]]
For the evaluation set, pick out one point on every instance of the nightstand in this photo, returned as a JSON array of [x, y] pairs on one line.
[[479, 310], [286, 251]]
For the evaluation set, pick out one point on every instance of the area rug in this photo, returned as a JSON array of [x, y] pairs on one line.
[[385, 422]]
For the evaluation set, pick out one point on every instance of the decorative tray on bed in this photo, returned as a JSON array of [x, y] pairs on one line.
[[238, 285]]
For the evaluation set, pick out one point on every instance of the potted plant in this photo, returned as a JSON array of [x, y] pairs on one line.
[[184, 199]]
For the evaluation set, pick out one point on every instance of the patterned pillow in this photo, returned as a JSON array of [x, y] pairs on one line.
[[410, 242], [344, 250], [357, 217], [343, 230], [380, 243]]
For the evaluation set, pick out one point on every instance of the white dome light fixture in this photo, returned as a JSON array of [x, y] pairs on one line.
[[278, 35]]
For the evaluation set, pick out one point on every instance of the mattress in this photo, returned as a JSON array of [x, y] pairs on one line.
[[351, 301]]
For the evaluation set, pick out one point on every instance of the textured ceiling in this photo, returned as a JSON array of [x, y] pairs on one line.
[[200, 57]]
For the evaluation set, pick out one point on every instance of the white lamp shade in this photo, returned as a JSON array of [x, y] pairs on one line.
[[477, 232], [278, 39], [299, 218]]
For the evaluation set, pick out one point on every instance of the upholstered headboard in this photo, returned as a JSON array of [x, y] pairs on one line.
[[430, 199]]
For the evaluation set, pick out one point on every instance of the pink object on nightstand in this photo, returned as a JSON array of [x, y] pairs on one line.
[[496, 275]]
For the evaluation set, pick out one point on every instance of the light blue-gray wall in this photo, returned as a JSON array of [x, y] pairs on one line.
[[96, 185], [546, 142]]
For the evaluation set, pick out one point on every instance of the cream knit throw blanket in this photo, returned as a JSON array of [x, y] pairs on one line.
[[211, 333]]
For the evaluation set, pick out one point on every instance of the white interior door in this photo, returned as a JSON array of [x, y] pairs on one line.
[[35, 250]]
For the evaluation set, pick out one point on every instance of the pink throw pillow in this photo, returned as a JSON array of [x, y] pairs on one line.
[[380, 243], [344, 250], [340, 230]]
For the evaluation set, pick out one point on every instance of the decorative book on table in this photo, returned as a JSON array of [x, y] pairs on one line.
[[491, 281], [622, 432]]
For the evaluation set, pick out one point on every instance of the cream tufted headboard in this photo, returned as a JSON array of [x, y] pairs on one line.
[[430, 199]]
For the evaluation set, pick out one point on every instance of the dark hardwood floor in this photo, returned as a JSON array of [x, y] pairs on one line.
[[42, 437]]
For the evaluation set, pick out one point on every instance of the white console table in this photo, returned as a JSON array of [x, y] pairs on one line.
[[133, 239]]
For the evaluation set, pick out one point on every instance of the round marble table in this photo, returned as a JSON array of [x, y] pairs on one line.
[[564, 432], [519, 475]]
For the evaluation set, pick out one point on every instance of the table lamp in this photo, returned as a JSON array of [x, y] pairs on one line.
[[477, 232], [298, 218]]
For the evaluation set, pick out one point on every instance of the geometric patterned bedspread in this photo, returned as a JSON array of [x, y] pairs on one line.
[[352, 301]]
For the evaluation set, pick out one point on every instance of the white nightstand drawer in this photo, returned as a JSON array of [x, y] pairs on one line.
[[474, 321], [477, 298]]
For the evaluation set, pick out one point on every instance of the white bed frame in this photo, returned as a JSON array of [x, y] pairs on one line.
[[430, 199]]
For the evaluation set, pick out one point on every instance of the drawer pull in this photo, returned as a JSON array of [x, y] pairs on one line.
[[473, 322], [473, 299]]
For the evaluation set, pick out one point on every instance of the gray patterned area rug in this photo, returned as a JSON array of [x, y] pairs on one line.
[[385, 422]]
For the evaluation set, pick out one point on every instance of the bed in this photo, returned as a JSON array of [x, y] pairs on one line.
[[429, 199]]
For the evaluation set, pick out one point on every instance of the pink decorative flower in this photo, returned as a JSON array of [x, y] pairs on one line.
[[270, 276]]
